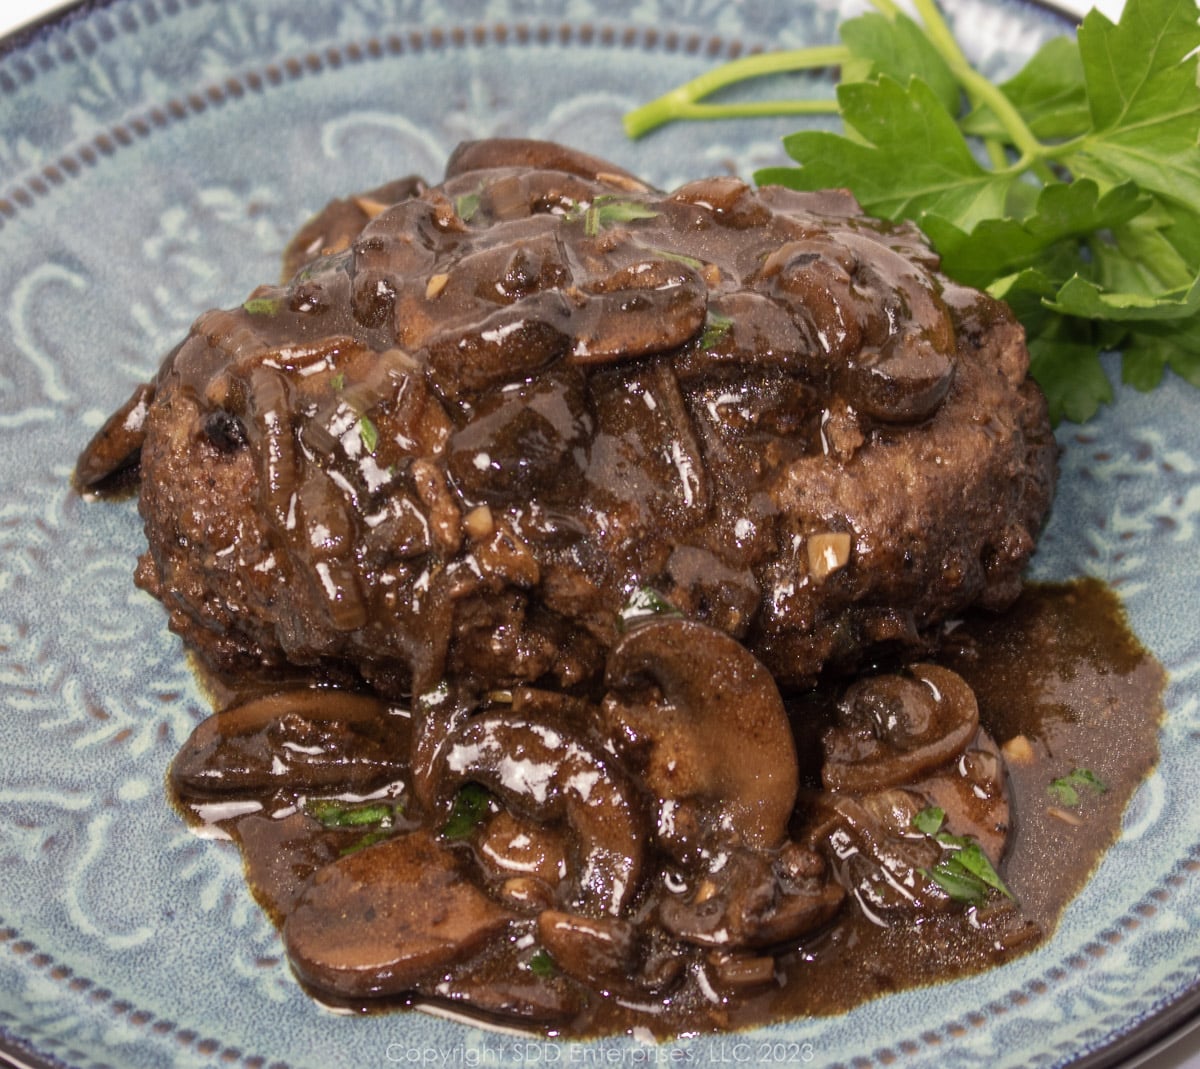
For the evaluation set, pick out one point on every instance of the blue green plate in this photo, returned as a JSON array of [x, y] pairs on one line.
[[155, 155]]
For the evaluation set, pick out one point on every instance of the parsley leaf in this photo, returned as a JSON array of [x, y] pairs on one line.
[[333, 814], [470, 806], [608, 211], [643, 603], [1065, 790], [716, 327], [930, 820], [1071, 190], [369, 434], [263, 306], [965, 873]]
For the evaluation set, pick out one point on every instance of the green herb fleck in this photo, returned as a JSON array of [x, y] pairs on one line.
[[1065, 790], [338, 380], [466, 206], [263, 306], [716, 327], [335, 814], [645, 602], [354, 815], [930, 820], [470, 807], [957, 882], [370, 839], [368, 433], [680, 258], [379, 817], [967, 874], [606, 211], [542, 965]]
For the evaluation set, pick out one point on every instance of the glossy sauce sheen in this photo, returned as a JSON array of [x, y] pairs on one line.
[[1061, 670], [524, 513], [480, 416]]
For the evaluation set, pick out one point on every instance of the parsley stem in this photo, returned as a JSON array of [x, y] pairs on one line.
[[979, 88], [681, 102]]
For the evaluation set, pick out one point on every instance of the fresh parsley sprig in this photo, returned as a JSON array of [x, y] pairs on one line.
[[1071, 190]]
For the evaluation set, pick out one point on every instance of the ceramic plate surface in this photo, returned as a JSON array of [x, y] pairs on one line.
[[155, 155]]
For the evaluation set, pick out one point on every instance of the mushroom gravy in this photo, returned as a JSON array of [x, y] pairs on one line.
[[543, 498], [1071, 699]]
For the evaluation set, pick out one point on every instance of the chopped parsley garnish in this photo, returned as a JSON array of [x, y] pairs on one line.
[[338, 380], [542, 965], [605, 211], [716, 326], [680, 258], [965, 873], [466, 206], [263, 306], [644, 602], [1070, 190], [335, 814], [470, 806], [1065, 790], [368, 433], [930, 820], [378, 817]]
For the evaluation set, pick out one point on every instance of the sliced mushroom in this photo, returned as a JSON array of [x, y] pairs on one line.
[[341, 221], [897, 727], [515, 994], [902, 381], [877, 854], [646, 307], [525, 860], [380, 921], [508, 344], [598, 952], [713, 721], [545, 771], [301, 740], [117, 445], [972, 790], [750, 902], [529, 154]]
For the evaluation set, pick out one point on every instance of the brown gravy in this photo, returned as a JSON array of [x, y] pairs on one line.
[[1066, 691]]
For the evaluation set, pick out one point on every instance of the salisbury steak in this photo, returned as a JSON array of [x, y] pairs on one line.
[[484, 422]]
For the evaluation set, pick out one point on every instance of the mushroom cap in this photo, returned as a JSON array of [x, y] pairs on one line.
[[720, 732]]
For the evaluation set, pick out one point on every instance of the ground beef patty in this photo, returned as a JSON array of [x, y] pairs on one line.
[[484, 422]]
